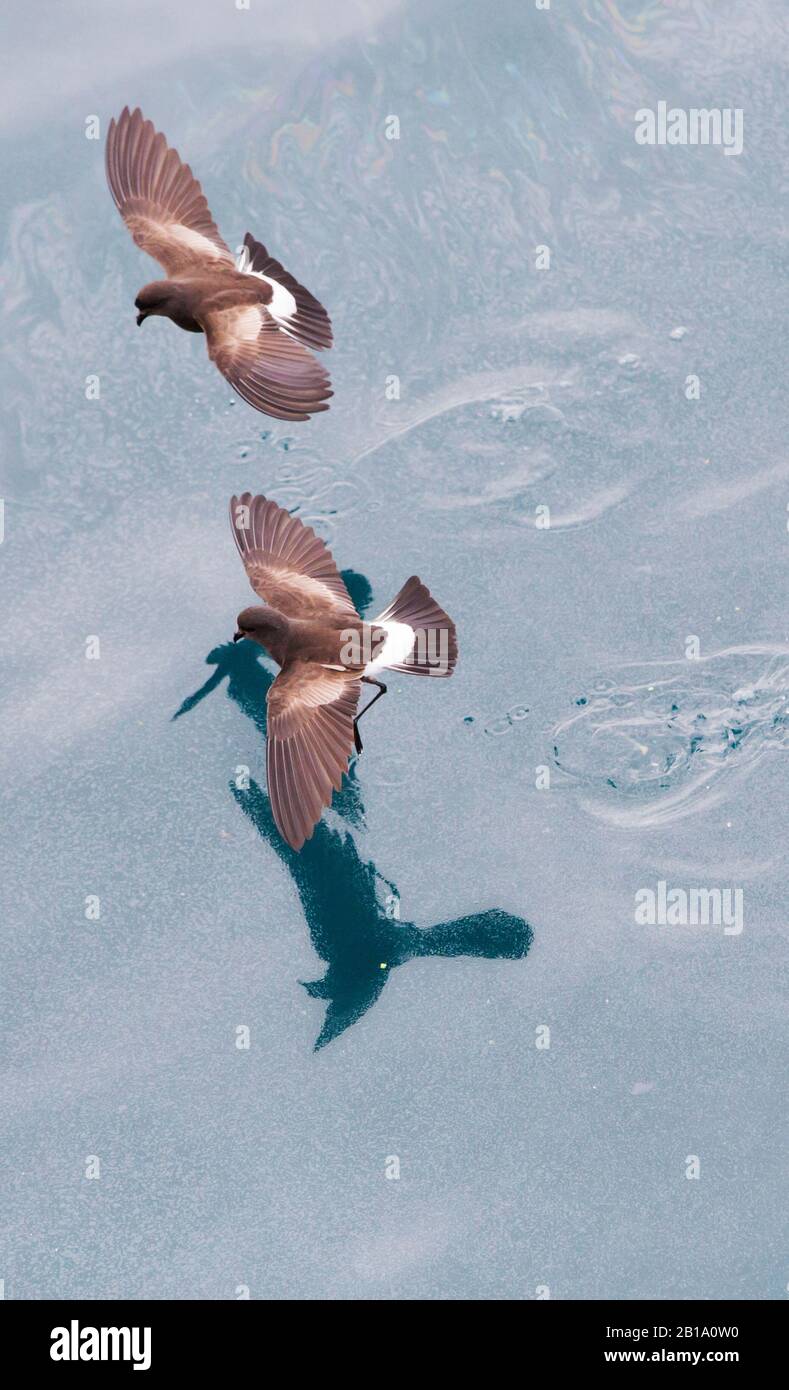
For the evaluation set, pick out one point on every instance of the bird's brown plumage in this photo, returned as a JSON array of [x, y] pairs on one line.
[[311, 708], [288, 566], [313, 631], [309, 740], [259, 331]]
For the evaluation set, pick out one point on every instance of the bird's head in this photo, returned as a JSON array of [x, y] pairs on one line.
[[156, 298], [261, 625]]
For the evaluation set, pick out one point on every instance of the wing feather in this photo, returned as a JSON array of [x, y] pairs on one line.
[[159, 198], [309, 741], [288, 565], [292, 306], [268, 368]]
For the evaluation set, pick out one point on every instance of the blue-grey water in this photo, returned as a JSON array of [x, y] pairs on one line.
[[618, 718]]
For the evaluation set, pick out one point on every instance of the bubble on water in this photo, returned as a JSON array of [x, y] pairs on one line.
[[512, 407], [518, 712], [500, 726]]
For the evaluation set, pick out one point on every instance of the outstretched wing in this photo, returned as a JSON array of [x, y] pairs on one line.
[[309, 739], [291, 306], [270, 369], [159, 198], [288, 565]]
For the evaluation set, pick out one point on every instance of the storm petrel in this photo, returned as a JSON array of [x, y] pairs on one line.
[[325, 651], [259, 322]]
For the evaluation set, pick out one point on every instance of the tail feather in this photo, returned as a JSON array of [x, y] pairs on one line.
[[435, 648]]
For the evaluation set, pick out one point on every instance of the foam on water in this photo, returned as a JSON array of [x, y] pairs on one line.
[[660, 745]]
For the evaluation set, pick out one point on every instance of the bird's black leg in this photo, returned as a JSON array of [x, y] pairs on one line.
[[369, 680]]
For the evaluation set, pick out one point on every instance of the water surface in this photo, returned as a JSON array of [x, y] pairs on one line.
[[475, 882]]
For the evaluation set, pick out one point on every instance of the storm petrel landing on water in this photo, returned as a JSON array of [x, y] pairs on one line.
[[259, 322], [325, 650]]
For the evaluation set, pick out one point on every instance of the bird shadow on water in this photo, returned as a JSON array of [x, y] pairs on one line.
[[351, 910]]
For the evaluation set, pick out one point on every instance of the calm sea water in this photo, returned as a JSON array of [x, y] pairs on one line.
[[476, 882]]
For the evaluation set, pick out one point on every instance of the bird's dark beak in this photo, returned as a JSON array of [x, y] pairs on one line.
[[141, 319], [237, 635]]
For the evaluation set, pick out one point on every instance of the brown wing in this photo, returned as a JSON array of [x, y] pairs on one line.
[[159, 198], [309, 740], [287, 564], [264, 364], [295, 310]]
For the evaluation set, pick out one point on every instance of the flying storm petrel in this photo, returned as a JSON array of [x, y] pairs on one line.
[[258, 321], [325, 651]]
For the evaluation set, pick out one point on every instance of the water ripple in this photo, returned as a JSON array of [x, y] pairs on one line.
[[658, 748]]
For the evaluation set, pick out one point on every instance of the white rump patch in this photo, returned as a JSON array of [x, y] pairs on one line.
[[283, 306], [397, 646]]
